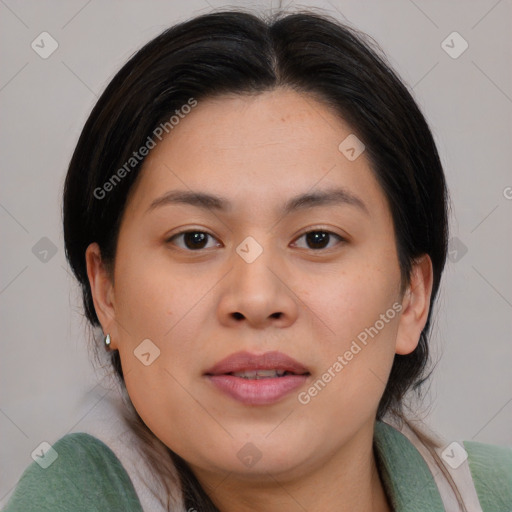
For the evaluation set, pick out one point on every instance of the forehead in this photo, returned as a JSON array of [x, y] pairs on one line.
[[257, 148]]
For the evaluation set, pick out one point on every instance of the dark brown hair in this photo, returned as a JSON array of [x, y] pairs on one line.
[[241, 53]]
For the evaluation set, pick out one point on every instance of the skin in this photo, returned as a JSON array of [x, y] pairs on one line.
[[258, 151]]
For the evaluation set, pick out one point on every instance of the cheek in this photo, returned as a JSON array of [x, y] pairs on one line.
[[149, 297], [354, 363], [359, 312], [152, 302], [351, 300], [170, 402]]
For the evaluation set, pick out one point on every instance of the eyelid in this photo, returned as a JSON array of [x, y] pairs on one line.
[[323, 229]]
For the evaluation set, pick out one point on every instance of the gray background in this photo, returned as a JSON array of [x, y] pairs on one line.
[[48, 382]]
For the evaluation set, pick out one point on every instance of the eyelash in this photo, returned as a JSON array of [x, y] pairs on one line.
[[330, 233]]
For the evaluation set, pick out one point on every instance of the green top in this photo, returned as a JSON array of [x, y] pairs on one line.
[[88, 477]]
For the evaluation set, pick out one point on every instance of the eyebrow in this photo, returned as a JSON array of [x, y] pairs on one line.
[[208, 201]]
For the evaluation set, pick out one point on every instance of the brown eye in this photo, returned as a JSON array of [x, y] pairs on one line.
[[192, 240], [319, 239]]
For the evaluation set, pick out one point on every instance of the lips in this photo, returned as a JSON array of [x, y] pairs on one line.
[[257, 379], [247, 362]]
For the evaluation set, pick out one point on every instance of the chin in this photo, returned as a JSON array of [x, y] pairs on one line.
[[255, 458]]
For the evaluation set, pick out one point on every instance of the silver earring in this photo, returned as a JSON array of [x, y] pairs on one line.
[[107, 341]]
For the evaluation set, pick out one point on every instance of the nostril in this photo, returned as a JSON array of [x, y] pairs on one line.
[[238, 315]]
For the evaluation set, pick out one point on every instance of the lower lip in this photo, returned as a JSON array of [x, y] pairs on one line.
[[257, 391]]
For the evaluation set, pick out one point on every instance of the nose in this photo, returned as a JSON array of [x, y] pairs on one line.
[[258, 293]]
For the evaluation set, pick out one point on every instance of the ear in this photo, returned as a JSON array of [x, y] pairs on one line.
[[415, 306], [102, 290]]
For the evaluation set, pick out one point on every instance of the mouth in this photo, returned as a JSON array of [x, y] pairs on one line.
[[262, 374], [257, 379], [248, 365]]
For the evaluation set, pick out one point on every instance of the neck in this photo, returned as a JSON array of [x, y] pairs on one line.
[[347, 481]]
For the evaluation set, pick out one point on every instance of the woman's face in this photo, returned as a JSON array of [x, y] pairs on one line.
[[249, 278]]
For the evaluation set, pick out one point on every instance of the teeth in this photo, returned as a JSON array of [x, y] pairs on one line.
[[259, 374]]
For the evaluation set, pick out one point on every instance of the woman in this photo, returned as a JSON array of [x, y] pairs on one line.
[[257, 215]]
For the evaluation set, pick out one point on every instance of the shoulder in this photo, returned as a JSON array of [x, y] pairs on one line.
[[491, 470], [79, 473]]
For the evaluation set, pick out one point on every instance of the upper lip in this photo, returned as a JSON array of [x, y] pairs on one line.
[[242, 361]]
